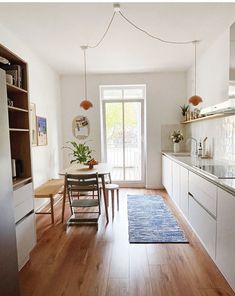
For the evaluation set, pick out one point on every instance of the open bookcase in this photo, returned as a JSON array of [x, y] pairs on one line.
[[18, 114]]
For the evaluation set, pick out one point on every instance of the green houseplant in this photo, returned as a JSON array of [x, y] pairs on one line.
[[81, 152], [184, 109]]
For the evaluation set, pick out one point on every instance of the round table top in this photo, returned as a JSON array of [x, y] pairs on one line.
[[78, 169]]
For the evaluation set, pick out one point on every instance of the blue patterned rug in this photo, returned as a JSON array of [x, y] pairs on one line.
[[150, 221]]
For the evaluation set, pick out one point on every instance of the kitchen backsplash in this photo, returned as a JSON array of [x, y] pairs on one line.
[[219, 131]]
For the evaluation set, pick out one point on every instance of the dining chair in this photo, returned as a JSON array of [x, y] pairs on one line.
[[83, 192]]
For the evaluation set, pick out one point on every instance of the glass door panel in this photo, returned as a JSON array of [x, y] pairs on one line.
[[115, 138], [133, 141]]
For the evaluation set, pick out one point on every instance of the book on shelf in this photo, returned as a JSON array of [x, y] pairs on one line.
[[16, 72]]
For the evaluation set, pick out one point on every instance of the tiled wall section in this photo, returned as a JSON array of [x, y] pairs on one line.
[[220, 133]]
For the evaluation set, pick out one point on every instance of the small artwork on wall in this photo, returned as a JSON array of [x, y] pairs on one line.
[[33, 124], [42, 130]]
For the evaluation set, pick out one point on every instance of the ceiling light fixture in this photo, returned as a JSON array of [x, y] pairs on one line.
[[195, 100], [86, 104]]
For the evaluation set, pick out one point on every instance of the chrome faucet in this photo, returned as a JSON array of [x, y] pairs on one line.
[[193, 139]]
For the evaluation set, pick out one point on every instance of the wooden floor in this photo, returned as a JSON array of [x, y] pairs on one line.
[[83, 261]]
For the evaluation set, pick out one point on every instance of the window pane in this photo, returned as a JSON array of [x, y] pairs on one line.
[[112, 94], [133, 93]]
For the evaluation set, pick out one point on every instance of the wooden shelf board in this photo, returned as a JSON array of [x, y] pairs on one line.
[[19, 130], [208, 117], [18, 182], [12, 88], [16, 109]]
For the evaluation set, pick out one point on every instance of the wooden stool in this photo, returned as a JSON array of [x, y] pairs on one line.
[[112, 187], [49, 190]]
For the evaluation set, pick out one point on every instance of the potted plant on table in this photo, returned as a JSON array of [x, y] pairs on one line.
[[81, 153], [177, 137]]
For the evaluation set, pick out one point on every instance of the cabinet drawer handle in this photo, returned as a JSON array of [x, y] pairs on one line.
[[213, 216]]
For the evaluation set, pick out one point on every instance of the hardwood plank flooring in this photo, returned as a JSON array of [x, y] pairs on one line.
[[85, 261]]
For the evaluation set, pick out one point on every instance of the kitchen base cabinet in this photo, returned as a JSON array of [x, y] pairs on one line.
[[225, 247], [167, 174], [184, 191], [203, 224], [176, 183], [25, 238]]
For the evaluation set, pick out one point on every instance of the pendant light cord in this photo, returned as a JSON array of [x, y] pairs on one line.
[[85, 76], [139, 29], [150, 35], [195, 67], [105, 33]]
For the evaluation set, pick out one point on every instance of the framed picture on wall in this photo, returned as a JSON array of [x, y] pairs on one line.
[[42, 130], [33, 124]]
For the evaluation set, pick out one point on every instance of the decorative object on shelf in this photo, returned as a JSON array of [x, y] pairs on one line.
[[33, 124], [9, 78], [10, 102], [81, 127], [176, 137], [81, 152], [195, 100], [16, 72], [184, 109], [42, 131], [4, 61], [85, 104]]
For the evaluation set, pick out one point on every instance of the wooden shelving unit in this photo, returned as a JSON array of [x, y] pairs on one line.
[[207, 117], [18, 115]]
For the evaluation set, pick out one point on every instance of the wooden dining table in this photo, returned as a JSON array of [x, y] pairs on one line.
[[102, 169]]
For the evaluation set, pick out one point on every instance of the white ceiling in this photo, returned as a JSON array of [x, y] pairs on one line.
[[55, 32]]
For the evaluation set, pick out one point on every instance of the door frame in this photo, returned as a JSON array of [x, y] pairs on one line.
[[141, 183]]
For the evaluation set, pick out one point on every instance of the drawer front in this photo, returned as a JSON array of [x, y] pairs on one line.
[[184, 190], [203, 191], [23, 201], [204, 225], [25, 239]]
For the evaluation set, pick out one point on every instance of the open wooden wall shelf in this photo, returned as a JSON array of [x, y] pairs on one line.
[[18, 114], [208, 117]]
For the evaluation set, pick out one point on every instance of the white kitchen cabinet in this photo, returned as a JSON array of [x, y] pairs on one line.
[[25, 238], [204, 225], [204, 192], [23, 201], [167, 174], [225, 247], [184, 191], [176, 183]]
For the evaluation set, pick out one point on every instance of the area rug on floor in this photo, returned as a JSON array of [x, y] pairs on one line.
[[150, 221]]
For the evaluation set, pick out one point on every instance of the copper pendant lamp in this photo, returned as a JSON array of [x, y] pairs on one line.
[[195, 100], [85, 104]]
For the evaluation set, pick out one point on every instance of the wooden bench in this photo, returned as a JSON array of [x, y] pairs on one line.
[[49, 190]]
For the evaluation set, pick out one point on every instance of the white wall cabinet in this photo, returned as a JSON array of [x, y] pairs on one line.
[[225, 246], [184, 190], [176, 183], [167, 174]]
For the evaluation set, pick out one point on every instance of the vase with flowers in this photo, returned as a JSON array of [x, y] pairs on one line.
[[177, 136]]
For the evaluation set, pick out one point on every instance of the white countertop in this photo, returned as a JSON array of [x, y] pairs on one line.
[[191, 163]]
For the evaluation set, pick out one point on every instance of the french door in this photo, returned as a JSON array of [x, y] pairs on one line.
[[123, 122]]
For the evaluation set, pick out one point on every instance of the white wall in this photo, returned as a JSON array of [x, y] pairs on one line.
[[165, 92], [212, 72], [44, 91]]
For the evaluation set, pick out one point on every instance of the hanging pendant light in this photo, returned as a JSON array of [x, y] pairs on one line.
[[85, 104], [195, 100]]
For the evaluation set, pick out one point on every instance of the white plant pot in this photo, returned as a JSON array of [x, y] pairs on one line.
[[176, 147]]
